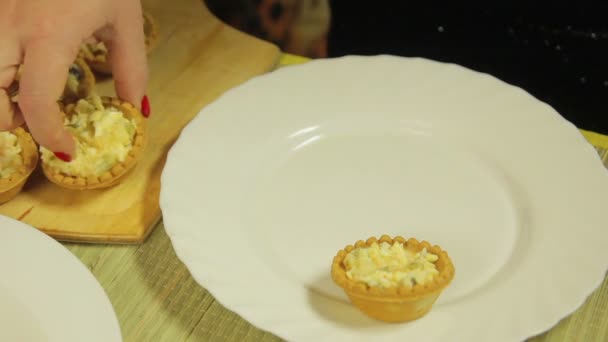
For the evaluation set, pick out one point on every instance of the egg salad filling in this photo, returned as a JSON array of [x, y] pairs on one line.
[[10, 154], [385, 265], [104, 137], [95, 49]]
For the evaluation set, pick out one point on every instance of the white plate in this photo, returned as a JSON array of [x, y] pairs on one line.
[[46, 293], [270, 181]]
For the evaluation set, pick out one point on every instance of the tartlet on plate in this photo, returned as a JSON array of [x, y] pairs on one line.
[[96, 55], [18, 159], [399, 303], [110, 137]]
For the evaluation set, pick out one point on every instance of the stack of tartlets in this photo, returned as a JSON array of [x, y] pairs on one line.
[[393, 279]]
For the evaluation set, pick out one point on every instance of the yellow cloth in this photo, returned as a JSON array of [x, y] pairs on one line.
[[596, 139]]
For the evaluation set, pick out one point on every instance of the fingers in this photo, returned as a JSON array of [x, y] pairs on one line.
[[128, 54], [10, 117], [42, 82]]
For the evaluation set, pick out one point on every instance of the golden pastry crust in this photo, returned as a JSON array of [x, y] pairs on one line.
[[86, 83], [100, 63], [118, 171], [394, 304], [11, 186]]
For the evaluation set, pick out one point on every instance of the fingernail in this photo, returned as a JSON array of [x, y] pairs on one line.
[[145, 106], [63, 156]]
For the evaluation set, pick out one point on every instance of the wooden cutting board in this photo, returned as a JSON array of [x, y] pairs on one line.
[[196, 60]]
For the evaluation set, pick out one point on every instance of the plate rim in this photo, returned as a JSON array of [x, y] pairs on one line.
[[56, 256]]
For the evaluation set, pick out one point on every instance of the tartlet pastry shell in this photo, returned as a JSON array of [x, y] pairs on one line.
[[394, 304], [120, 170], [85, 86], [12, 186], [101, 63]]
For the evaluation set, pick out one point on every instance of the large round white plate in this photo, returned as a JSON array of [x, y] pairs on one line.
[[270, 181], [46, 293]]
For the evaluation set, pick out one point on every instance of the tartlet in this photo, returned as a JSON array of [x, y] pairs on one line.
[[13, 183], [96, 54], [80, 83], [113, 172], [394, 304]]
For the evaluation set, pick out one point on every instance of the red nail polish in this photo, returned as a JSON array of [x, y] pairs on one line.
[[63, 156], [145, 106]]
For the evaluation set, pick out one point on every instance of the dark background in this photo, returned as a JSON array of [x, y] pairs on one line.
[[559, 54]]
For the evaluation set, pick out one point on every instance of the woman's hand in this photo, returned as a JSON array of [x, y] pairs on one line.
[[44, 36]]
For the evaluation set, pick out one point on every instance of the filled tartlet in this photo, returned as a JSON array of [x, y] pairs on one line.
[[18, 159], [96, 55], [110, 136], [393, 279], [80, 83]]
